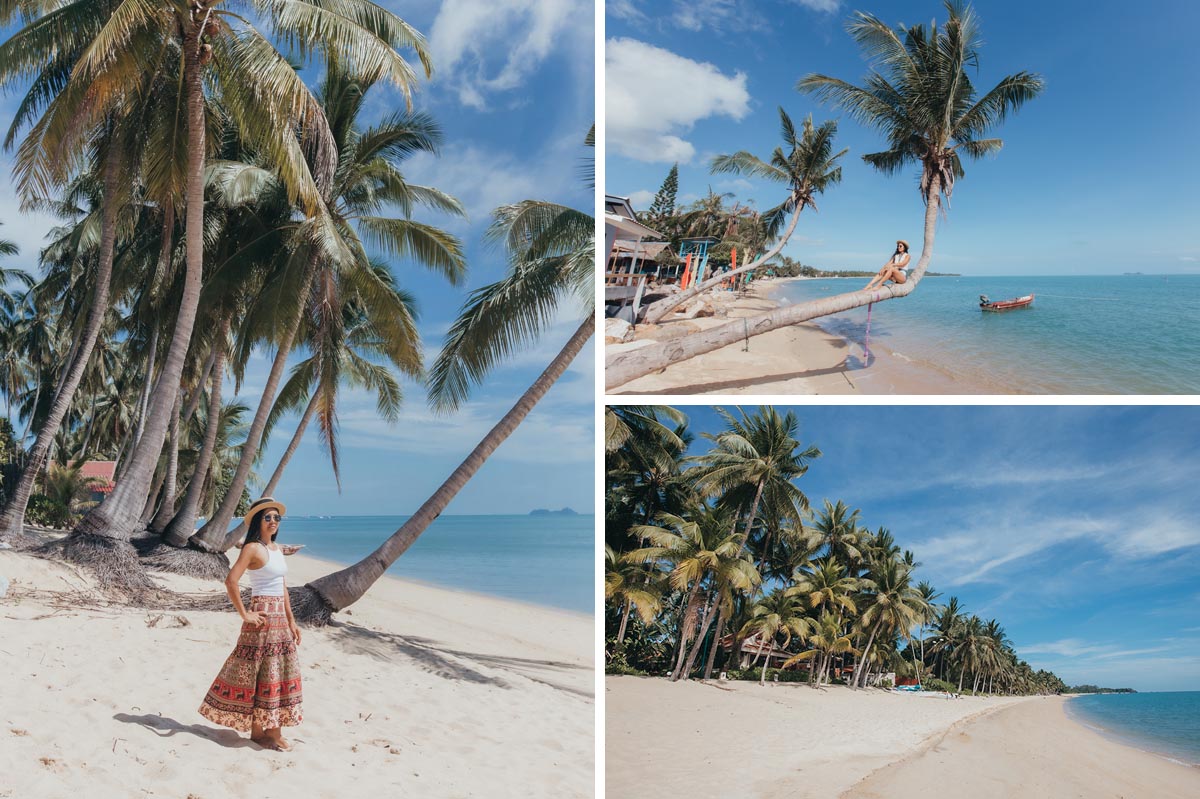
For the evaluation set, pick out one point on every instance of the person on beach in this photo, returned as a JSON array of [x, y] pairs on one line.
[[895, 270], [258, 689]]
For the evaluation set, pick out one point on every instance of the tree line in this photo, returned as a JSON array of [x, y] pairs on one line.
[[718, 562]]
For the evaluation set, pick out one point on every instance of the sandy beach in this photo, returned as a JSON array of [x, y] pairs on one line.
[[801, 359], [739, 739], [413, 691]]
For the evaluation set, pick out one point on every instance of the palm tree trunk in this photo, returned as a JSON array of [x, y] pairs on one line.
[[685, 628], [860, 676], [318, 600], [762, 675], [962, 673], [183, 525], [144, 400], [13, 517], [240, 531], [712, 654], [624, 620], [216, 530], [622, 367], [663, 307], [205, 375], [167, 509], [705, 623], [112, 523]]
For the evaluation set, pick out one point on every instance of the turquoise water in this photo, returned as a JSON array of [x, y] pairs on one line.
[[1167, 723], [546, 560], [1137, 334]]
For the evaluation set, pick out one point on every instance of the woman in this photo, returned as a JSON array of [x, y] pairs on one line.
[[895, 270], [258, 688]]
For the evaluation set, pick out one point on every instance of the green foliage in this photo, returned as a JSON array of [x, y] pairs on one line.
[[934, 684], [773, 675], [45, 512], [617, 662]]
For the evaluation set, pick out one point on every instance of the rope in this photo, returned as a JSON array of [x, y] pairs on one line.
[[867, 337]]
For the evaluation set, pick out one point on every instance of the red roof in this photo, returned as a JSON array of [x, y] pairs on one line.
[[101, 471]]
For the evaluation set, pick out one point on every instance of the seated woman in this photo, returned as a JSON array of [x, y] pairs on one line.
[[895, 270]]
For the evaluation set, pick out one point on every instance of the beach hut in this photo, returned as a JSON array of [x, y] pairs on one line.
[[628, 245]]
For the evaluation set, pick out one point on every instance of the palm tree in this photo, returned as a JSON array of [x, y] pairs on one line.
[[892, 604], [552, 251], [366, 182], [807, 168], [696, 549], [66, 493], [757, 452], [630, 584], [923, 101], [778, 613], [827, 640]]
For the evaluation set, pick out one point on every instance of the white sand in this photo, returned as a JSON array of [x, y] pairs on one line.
[[417, 691], [1032, 750], [739, 739]]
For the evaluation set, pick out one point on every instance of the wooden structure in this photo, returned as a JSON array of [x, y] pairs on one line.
[[628, 243]]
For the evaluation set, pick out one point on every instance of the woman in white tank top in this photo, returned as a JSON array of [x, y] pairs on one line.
[[895, 270], [258, 690]]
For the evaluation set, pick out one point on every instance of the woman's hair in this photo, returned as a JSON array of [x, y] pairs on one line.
[[254, 534], [897, 252]]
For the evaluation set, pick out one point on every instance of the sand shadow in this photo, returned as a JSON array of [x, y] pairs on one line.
[[447, 663], [849, 364], [166, 727]]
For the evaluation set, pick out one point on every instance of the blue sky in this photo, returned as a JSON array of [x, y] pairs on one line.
[[514, 92], [1077, 528], [1096, 176]]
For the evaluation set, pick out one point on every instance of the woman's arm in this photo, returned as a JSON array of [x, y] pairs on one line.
[[287, 605], [244, 561]]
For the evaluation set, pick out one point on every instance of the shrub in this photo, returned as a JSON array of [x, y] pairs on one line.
[[755, 674], [885, 683], [45, 512], [934, 684]]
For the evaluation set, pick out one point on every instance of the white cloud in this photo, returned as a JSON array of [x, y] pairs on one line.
[[482, 47], [827, 6], [641, 198], [653, 96]]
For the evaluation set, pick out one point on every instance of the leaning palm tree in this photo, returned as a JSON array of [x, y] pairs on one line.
[[551, 252], [827, 641], [807, 168], [923, 101], [892, 605]]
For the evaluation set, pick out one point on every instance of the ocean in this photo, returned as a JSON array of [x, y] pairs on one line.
[[545, 560], [1120, 334], [1167, 723]]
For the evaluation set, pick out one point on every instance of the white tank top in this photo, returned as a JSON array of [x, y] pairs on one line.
[[268, 581]]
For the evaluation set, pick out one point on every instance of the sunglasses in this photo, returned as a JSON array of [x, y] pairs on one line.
[[272, 517]]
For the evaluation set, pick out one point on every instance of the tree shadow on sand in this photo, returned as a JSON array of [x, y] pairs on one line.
[[166, 727], [447, 663]]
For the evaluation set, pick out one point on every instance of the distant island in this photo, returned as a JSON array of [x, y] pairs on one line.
[[544, 512], [1095, 689]]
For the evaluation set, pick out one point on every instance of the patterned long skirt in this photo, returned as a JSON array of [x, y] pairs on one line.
[[260, 682]]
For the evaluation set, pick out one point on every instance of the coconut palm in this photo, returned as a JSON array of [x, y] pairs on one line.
[[551, 254], [633, 586], [778, 613], [758, 452], [806, 168], [891, 605], [827, 641], [701, 551], [366, 183], [922, 100]]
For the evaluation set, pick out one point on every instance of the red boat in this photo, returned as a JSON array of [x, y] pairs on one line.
[[1004, 305]]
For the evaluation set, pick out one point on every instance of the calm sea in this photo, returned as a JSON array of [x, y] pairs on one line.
[[1167, 723], [546, 560], [1136, 334]]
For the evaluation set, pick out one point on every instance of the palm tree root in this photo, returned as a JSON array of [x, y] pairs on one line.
[[309, 607], [114, 563], [190, 561]]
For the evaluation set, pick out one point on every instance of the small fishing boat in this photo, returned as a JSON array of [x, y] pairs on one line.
[[1004, 305]]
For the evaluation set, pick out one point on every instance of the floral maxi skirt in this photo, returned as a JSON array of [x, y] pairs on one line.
[[260, 682]]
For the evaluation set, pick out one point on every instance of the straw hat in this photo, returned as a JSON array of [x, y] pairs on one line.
[[905, 243], [262, 504]]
